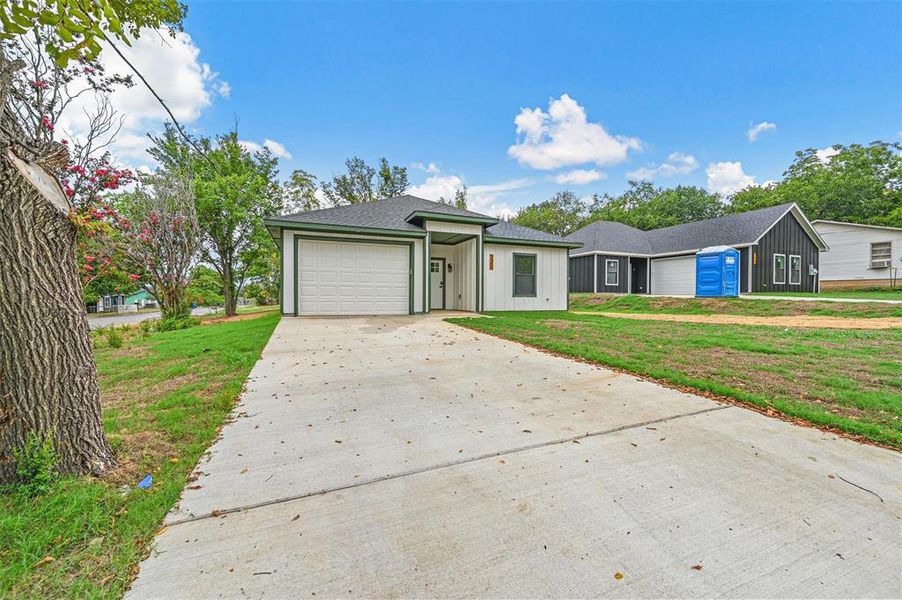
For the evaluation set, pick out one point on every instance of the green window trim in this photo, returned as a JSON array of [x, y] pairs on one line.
[[533, 260]]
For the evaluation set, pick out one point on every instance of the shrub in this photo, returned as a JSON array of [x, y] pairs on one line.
[[176, 323], [146, 327], [114, 336], [36, 465]]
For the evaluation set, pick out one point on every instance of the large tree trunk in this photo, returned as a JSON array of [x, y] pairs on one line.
[[48, 379], [230, 299]]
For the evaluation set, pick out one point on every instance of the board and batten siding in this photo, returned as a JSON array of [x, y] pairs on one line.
[[289, 269], [849, 257], [582, 274], [551, 278], [786, 237], [623, 270]]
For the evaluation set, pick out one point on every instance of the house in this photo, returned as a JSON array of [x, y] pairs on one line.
[[141, 299], [408, 255], [860, 255], [778, 251]]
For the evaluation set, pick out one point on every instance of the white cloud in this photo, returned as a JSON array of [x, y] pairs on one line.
[[677, 163], [727, 178], [172, 67], [757, 129], [825, 154], [273, 146], [480, 198], [429, 168], [563, 136], [579, 177]]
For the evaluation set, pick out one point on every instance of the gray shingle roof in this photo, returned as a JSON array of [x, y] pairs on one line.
[[731, 230], [391, 213], [388, 213], [518, 232]]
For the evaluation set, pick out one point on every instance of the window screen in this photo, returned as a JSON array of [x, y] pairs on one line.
[[524, 274], [881, 254], [779, 268], [795, 270]]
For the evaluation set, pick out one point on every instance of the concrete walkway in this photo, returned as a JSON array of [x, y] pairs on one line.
[[408, 457]]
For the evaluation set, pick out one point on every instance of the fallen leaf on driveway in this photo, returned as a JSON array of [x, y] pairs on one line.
[[337, 441], [527, 431], [697, 567], [296, 517], [244, 470], [618, 575]]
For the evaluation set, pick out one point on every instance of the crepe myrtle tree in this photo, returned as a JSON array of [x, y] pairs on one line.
[[48, 378], [159, 238]]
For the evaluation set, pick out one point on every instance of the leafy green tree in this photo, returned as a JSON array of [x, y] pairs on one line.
[[860, 184], [363, 183], [561, 214], [459, 200], [300, 192], [645, 206], [204, 286]]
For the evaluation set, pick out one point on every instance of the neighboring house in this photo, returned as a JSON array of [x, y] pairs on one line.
[[141, 299], [860, 255], [778, 252], [407, 255]]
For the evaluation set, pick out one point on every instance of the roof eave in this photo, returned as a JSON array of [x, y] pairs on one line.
[[436, 216], [348, 229]]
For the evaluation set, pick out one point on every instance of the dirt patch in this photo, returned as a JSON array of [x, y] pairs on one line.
[[139, 453], [804, 321], [244, 317]]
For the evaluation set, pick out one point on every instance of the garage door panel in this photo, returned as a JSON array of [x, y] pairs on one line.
[[346, 278], [673, 276]]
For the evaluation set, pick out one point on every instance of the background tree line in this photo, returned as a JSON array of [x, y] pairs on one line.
[[858, 184]]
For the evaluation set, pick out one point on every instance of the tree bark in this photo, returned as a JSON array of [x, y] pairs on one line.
[[48, 378], [229, 297]]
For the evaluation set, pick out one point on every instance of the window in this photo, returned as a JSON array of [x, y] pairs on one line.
[[795, 270], [881, 254], [780, 268], [525, 275], [612, 272]]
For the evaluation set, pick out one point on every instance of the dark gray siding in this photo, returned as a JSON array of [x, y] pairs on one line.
[[581, 276], [745, 256], [786, 237], [623, 279]]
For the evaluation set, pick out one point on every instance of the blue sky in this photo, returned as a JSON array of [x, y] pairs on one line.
[[443, 83]]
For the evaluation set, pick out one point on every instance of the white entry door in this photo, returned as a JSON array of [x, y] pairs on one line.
[[353, 278], [673, 276], [436, 284]]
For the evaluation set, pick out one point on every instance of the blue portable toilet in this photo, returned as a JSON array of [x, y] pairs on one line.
[[717, 272]]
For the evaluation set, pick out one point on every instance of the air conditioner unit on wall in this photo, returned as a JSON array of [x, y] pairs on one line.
[[880, 264]]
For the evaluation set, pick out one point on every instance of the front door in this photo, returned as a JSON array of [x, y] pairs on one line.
[[638, 275], [437, 283]]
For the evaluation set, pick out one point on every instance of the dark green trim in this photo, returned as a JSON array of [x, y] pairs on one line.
[[426, 256], [325, 238], [513, 242], [444, 281], [279, 244], [535, 274], [326, 228], [434, 216]]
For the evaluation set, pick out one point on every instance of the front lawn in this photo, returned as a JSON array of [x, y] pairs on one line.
[[728, 306], [846, 379], [164, 398], [865, 294]]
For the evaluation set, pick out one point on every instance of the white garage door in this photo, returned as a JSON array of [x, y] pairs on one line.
[[673, 276], [348, 278]]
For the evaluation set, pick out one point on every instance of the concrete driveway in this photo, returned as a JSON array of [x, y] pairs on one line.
[[398, 457]]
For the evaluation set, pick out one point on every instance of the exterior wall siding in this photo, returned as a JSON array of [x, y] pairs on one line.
[[623, 283], [849, 258], [581, 274], [745, 257], [785, 237], [551, 278]]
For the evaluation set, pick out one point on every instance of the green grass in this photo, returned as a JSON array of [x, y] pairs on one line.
[[864, 294], [846, 379], [164, 398], [729, 306]]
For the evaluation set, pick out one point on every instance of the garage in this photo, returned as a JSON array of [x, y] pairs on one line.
[[673, 275], [353, 278]]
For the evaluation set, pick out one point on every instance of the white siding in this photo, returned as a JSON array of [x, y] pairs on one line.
[[551, 278], [674, 276], [454, 227], [467, 280], [288, 266], [849, 256]]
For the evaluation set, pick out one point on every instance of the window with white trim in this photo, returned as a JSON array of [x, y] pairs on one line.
[[780, 269], [795, 269], [612, 272], [881, 254]]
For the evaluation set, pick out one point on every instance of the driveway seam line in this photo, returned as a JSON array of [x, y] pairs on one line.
[[462, 461]]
